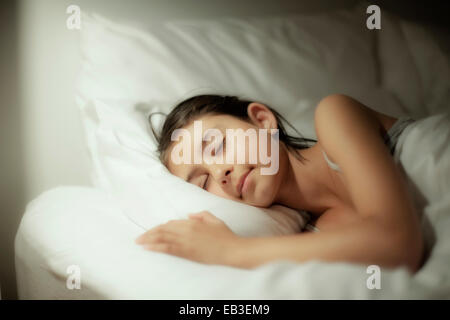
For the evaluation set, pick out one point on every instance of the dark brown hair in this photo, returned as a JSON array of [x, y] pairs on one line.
[[191, 109]]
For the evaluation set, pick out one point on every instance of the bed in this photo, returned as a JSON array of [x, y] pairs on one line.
[[78, 242]]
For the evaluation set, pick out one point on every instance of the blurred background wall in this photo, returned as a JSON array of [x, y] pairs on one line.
[[41, 135], [12, 195]]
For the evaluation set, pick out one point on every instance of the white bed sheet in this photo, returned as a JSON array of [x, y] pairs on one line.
[[85, 227]]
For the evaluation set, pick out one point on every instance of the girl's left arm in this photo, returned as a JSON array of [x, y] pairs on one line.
[[350, 134], [206, 239], [366, 241]]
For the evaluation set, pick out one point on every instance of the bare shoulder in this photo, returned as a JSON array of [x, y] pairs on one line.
[[336, 104], [340, 115], [350, 134], [341, 112]]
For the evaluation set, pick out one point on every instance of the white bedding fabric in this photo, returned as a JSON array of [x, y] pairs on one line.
[[85, 227], [126, 71]]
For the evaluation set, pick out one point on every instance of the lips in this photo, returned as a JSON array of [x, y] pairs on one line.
[[241, 182]]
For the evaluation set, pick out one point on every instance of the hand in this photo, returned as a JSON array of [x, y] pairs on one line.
[[202, 238]]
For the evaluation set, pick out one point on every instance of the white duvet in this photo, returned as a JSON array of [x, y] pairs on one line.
[[84, 227], [128, 73]]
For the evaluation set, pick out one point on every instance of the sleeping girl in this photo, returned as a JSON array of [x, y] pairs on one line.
[[347, 181]]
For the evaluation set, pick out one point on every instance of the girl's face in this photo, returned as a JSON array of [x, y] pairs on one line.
[[241, 182]]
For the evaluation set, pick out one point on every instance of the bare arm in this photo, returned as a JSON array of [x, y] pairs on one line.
[[365, 241]]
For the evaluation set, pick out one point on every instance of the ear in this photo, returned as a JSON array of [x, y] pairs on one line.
[[261, 116]]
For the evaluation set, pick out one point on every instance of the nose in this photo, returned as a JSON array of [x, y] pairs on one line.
[[222, 174]]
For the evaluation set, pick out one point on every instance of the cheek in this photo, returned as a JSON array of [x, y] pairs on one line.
[[264, 150], [214, 188], [264, 189]]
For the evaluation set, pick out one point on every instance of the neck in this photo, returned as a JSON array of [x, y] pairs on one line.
[[307, 185]]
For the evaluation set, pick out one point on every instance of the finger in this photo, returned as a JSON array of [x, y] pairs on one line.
[[168, 248], [140, 239], [161, 247], [195, 216], [143, 236], [157, 230], [175, 226], [160, 237], [207, 217]]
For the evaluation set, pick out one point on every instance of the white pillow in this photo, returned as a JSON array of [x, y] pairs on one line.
[[127, 166], [289, 62]]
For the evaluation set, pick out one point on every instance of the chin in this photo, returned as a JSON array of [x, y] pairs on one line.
[[263, 193]]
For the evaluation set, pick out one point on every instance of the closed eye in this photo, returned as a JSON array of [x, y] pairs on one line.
[[205, 185], [219, 150]]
